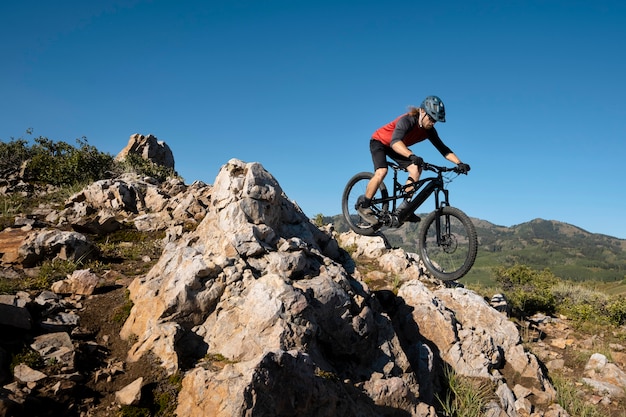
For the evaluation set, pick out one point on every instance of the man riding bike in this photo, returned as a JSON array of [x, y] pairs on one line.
[[393, 139]]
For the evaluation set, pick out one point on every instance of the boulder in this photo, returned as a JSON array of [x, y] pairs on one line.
[[148, 148], [27, 248]]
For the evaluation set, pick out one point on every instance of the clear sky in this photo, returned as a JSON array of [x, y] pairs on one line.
[[535, 91]]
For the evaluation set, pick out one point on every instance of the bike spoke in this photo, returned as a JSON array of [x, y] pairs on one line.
[[448, 244]]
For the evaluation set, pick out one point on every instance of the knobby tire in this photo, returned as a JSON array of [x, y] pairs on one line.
[[354, 189], [452, 255]]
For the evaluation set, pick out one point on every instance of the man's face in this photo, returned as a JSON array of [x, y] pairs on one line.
[[427, 121]]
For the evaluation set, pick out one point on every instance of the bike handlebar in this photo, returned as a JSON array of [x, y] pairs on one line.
[[436, 168], [429, 167]]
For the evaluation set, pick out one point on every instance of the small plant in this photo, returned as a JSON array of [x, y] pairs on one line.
[[396, 282], [351, 249], [331, 376], [217, 357], [570, 399], [166, 394], [133, 411], [123, 312], [50, 272], [28, 357], [464, 397]]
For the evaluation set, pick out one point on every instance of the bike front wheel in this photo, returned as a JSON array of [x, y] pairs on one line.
[[355, 189], [448, 243]]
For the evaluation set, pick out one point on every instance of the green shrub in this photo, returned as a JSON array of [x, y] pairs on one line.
[[617, 311], [136, 164], [528, 291], [580, 303], [59, 163], [13, 154], [29, 358]]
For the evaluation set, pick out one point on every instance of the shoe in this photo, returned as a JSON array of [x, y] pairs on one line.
[[412, 218], [366, 213]]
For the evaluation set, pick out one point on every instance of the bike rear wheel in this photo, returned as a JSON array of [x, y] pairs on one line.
[[448, 243], [354, 189]]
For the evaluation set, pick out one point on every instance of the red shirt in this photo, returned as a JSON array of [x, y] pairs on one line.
[[406, 128]]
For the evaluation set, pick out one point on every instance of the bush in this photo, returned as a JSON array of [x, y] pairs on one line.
[[617, 311], [528, 291], [13, 154], [138, 165], [60, 163], [580, 303]]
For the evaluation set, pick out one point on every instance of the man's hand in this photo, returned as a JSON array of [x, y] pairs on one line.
[[463, 168], [416, 160]]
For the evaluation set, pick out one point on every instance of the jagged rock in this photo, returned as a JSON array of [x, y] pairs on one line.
[[57, 347], [363, 246], [48, 298], [25, 374], [254, 277], [27, 248], [105, 205], [60, 322], [499, 302], [605, 377], [81, 282], [11, 240], [267, 315], [149, 148], [471, 336], [130, 394]]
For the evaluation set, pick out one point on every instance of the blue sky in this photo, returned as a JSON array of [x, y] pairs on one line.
[[534, 91]]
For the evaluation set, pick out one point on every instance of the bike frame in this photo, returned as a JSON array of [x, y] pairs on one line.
[[424, 188]]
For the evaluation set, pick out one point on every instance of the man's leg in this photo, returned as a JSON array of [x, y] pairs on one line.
[[364, 208]]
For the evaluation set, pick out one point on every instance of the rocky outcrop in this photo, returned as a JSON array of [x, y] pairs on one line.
[[258, 286], [26, 247], [148, 148], [105, 205], [264, 313]]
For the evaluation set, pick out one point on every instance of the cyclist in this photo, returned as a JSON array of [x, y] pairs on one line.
[[393, 140]]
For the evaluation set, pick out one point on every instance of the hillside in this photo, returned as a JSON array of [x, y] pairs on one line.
[[568, 251]]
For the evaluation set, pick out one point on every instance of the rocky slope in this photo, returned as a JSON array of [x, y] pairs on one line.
[[251, 309]]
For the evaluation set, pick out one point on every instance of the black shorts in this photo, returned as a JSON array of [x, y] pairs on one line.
[[380, 152]]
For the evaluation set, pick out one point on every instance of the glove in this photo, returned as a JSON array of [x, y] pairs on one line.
[[416, 160], [463, 168]]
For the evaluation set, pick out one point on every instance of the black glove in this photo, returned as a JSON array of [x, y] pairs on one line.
[[463, 168], [416, 160]]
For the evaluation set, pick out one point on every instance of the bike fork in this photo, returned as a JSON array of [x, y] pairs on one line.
[[438, 226]]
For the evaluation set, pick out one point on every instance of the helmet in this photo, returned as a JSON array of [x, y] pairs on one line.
[[434, 108]]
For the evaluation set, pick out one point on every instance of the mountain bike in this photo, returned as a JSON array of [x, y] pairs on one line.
[[447, 239]]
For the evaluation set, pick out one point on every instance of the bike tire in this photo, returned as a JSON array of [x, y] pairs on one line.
[[452, 257], [354, 189]]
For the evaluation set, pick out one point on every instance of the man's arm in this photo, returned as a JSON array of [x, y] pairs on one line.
[[453, 158]]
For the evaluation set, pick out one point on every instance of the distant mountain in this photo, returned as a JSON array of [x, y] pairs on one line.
[[568, 251]]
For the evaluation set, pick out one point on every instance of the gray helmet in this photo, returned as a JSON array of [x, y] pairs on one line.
[[434, 108]]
